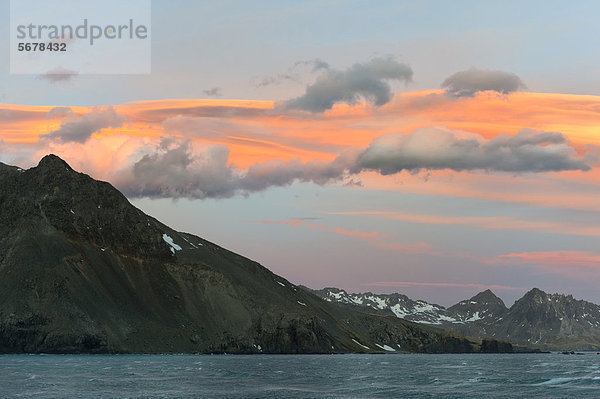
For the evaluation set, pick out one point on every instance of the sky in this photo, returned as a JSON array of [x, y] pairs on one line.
[[433, 148]]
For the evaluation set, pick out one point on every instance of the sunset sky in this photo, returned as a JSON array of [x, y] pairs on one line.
[[412, 147]]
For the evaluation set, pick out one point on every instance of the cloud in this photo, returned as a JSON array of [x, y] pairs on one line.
[[367, 81], [370, 236], [58, 74], [80, 128], [293, 74], [470, 82], [8, 115], [175, 168], [275, 172], [485, 222], [407, 284], [554, 258], [276, 80], [174, 171], [592, 156], [202, 111], [213, 92], [374, 238], [58, 112], [435, 149], [316, 64]]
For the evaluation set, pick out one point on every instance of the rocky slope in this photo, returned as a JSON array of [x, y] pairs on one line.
[[552, 322], [82, 270]]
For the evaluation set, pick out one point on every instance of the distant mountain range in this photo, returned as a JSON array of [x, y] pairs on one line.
[[84, 271], [538, 319]]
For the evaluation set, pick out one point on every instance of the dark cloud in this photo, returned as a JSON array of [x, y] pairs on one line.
[[434, 149], [294, 74], [315, 64], [276, 80], [282, 173], [80, 128], [470, 82], [213, 92], [368, 81], [175, 170], [58, 75]]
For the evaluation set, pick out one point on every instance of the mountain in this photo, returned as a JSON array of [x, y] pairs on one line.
[[84, 271], [550, 322], [387, 304]]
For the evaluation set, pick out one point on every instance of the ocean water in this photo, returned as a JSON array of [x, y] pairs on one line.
[[300, 376]]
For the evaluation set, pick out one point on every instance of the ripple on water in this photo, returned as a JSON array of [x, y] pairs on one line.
[[411, 376]]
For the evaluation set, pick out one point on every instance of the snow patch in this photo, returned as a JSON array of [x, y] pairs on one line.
[[357, 300], [399, 311], [379, 302], [301, 303], [186, 240], [475, 317], [449, 319], [424, 307], [280, 283], [72, 211], [169, 240], [386, 348], [336, 295], [358, 343]]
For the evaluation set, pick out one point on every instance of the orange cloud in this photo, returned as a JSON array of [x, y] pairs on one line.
[[256, 132], [484, 222], [324, 135], [554, 258]]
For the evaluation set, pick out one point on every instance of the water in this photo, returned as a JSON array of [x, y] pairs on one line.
[[303, 376]]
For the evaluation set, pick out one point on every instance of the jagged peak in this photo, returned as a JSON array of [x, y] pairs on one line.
[[52, 161], [487, 296], [535, 291], [533, 296]]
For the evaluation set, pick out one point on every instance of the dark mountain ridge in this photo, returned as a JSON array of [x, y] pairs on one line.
[[82, 270], [538, 319]]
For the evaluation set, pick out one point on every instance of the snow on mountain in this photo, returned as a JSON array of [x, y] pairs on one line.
[[550, 321]]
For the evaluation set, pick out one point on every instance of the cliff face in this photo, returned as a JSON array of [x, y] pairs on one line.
[[82, 270]]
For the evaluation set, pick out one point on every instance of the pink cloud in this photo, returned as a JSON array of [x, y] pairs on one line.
[[554, 258], [449, 285], [374, 238], [357, 233], [484, 222]]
